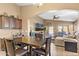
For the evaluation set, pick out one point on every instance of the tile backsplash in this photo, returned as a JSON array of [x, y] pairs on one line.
[[8, 33]]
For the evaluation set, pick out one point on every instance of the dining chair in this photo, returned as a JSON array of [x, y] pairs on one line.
[[43, 50], [11, 50], [38, 36], [2, 46], [18, 41]]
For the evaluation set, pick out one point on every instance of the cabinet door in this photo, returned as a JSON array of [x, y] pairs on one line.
[[18, 23], [12, 23], [5, 22], [0, 22]]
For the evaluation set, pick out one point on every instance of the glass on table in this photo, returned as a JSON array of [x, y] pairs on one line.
[[25, 39]]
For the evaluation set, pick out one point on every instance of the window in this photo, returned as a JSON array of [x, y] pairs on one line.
[[51, 30], [65, 29], [62, 30], [71, 29]]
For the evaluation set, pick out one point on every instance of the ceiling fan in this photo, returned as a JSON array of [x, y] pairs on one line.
[[55, 17]]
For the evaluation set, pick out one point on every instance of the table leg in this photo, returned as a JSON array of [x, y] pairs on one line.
[[30, 50]]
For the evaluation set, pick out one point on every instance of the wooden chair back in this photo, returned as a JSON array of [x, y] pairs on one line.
[[10, 47]]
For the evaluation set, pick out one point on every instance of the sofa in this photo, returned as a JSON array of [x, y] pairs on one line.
[[59, 41]]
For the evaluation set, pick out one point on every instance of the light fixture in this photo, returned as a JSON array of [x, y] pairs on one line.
[[38, 4], [55, 17]]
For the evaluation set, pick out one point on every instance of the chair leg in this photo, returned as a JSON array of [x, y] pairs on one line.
[[30, 50], [7, 54], [49, 54], [38, 54], [50, 50]]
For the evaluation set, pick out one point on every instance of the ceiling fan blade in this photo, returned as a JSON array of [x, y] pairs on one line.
[[55, 17]]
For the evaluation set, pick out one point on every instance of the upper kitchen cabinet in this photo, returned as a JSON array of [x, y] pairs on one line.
[[9, 22], [12, 22], [5, 22], [18, 23], [0, 22]]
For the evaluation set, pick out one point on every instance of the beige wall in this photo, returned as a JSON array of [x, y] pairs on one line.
[[10, 9], [76, 28], [75, 25]]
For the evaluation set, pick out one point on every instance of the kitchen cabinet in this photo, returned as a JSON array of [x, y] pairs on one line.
[[12, 22], [4, 22], [18, 24], [2, 46], [0, 22], [9, 22]]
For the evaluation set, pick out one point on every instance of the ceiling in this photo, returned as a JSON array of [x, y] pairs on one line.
[[28, 4], [62, 15], [24, 4]]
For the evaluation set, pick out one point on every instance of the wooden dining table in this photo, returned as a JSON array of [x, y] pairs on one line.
[[33, 43]]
